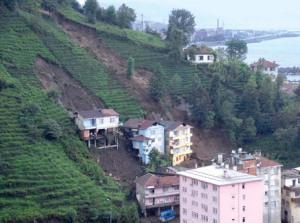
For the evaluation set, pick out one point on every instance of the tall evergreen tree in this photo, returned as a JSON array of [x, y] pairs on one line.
[[130, 67], [90, 9], [157, 85], [125, 17], [249, 105]]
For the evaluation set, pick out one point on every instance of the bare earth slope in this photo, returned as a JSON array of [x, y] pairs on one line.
[[117, 163]]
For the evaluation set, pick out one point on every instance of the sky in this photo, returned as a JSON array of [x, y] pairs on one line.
[[233, 14]]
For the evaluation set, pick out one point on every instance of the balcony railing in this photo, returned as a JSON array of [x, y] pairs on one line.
[[156, 205]]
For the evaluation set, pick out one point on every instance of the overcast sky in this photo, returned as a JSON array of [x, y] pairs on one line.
[[234, 14]]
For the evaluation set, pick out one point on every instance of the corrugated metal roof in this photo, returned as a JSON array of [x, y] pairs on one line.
[[97, 113]]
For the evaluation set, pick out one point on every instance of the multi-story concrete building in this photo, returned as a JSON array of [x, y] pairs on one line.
[[268, 170], [218, 195], [155, 193], [290, 195], [178, 141]]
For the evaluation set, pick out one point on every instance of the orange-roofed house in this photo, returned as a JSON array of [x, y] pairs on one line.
[[265, 66], [157, 193]]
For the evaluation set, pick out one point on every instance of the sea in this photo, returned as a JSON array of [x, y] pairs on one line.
[[284, 51]]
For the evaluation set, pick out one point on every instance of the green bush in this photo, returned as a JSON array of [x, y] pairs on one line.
[[52, 130]]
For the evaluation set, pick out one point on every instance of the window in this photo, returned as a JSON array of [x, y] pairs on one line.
[[203, 195], [204, 218], [184, 179], [266, 193], [200, 57], [152, 191], [244, 219], [184, 211], [297, 193], [273, 204], [266, 204], [194, 214], [266, 182], [204, 185], [159, 139], [101, 121], [112, 120], [184, 189], [244, 197], [165, 189], [204, 207], [152, 132], [287, 193], [195, 203], [159, 131], [215, 221], [298, 204], [244, 208], [194, 182], [215, 210], [93, 122], [194, 193], [184, 221], [215, 188], [243, 186], [176, 187], [184, 200], [215, 199], [176, 198]]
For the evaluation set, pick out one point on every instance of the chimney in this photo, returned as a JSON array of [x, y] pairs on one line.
[[158, 180], [220, 157], [225, 173]]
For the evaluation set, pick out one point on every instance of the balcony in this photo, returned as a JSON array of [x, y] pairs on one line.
[[157, 205], [291, 188], [295, 199], [162, 194]]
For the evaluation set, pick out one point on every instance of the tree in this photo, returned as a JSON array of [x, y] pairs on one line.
[[236, 49], [248, 131], [10, 4], [175, 89], [49, 5], [125, 17], [110, 15], [192, 50], [175, 44], [297, 92], [75, 5], [214, 93], [155, 159], [157, 85], [129, 214], [130, 67], [52, 129], [183, 20], [266, 96], [249, 105], [90, 9]]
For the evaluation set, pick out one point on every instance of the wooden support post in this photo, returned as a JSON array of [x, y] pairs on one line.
[[89, 143]]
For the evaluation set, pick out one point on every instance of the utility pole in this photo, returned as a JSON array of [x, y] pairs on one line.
[[142, 22], [110, 214]]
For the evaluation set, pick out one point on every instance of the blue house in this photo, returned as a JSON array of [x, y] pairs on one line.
[[146, 135]]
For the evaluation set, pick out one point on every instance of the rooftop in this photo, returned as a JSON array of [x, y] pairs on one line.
[[140, 138], [291, 173], [215, 175], [150, 179], [139, 123], [265, 63], [172, 125], [97, 113]]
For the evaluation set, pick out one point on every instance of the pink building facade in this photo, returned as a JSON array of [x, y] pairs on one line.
[[156, 193], [217, 195]]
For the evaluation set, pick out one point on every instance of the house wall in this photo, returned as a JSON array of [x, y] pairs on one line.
[[140, 196], [272, 193], [155, 132], [202, 58], [271, 71], [179, 145], [162, 196], [98, 123], [290, 209], [222, 204]]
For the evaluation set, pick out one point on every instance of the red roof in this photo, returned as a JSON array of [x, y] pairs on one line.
[[157, 181], [264, 63], [140, 138], [265, 162]]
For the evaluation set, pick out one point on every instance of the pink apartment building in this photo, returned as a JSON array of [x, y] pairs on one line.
[[215, 194]]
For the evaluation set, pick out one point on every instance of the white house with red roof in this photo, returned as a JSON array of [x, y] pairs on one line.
[[156, 193], [145, 135], [265, 66], [95, 123]]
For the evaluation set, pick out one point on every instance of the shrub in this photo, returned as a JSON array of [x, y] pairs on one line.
[[52, 129]]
